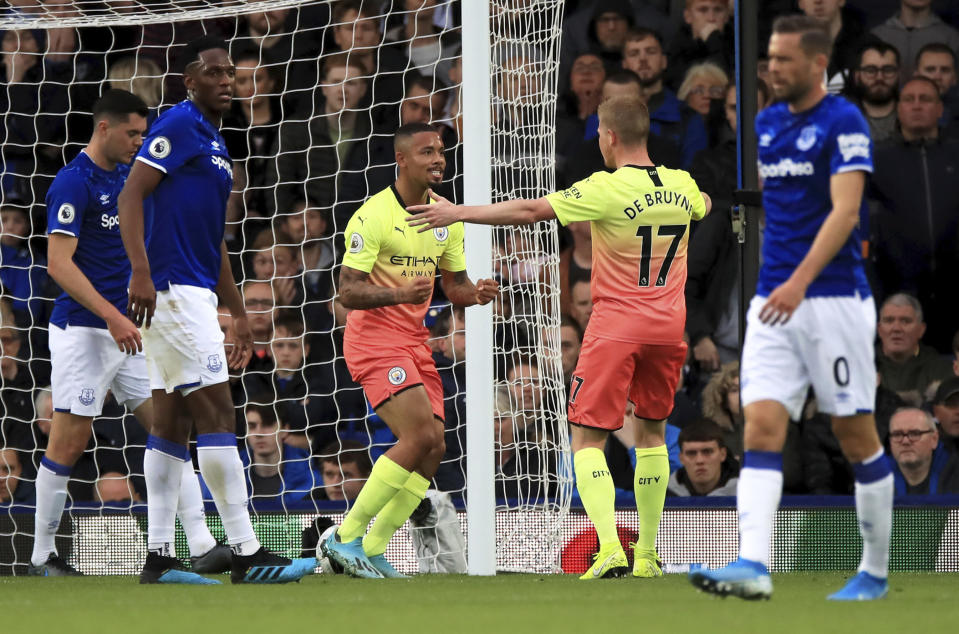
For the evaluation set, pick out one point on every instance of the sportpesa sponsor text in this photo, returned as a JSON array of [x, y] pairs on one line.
[[786, 167]]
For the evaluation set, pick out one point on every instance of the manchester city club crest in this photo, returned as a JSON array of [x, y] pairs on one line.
[[441, 233], [807, 138], [213, 363], [87, 396], [397, 375]]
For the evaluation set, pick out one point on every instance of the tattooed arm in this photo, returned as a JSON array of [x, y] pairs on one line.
[[359, 293]]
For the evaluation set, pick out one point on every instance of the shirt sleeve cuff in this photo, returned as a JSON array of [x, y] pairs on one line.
[[152, 164]]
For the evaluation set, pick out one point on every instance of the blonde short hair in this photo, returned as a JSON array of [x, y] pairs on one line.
[[627, 117], [706, 70], [714, 395], [141, 76]]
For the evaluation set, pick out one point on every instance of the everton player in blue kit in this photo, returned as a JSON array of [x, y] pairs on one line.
[[813, 320], [184, 170], [94, 347]]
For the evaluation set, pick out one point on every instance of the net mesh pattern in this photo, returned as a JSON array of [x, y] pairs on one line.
[[524, 64], [319, 94]]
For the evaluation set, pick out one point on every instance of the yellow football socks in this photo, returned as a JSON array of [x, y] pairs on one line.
[[394, 514], [385, 480], [595, 485], [649, 485]]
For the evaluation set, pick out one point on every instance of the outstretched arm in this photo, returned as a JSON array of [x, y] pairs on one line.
[[443, 213], [141, 182], [358, 292], [462, 292]]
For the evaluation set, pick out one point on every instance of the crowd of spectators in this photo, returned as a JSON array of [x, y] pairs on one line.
[[897, 61], [321, 88]]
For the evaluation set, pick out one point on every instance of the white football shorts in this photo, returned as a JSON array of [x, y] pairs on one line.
[[86, 362], [184, 343], [827, 343]]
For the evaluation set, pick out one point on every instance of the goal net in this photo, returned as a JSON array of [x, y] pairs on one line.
[[321, 87]]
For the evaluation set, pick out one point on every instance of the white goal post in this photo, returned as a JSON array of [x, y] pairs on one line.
[[515, 477]]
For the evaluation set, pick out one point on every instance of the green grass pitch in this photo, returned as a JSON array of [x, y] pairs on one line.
[[925, 603]]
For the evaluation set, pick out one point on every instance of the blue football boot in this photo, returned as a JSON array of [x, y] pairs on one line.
[[266, 567], [742, 578], [350, 556], [862, 587]]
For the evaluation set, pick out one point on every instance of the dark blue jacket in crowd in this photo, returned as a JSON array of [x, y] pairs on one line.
[[940, 458], [679, 123], [915, 228], [24, 278], [672, 121]]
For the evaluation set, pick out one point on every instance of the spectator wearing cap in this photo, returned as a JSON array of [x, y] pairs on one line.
[[708, 469], [607, 31], [945, 408], [595, 23], [923, 466]]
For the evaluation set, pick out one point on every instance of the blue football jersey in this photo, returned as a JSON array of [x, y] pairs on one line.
[[189, 204], [798, 154], [82, 202]]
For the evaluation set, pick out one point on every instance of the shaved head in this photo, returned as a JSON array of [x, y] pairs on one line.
[[404, 135]]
